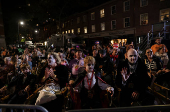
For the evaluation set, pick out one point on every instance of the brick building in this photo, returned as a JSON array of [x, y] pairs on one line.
[[2, 35], [119, 21]]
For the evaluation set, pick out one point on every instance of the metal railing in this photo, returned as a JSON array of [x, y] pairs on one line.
[[124, 109], [22, 107]]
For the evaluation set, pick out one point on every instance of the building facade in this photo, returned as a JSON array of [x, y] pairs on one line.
[[2, 35], [119, 21]]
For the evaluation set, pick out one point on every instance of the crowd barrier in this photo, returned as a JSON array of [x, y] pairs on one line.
[[24, 108], [151, 108]]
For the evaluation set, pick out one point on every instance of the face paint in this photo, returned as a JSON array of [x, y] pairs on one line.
[[51, 60], [89, 67], [132, 56], [149, 53]]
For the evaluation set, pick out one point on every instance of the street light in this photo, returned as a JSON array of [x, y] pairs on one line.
[[36, 31], [22, 23]]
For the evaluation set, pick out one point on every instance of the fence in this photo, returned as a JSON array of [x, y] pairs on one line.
[[22, 107], [157, 108]]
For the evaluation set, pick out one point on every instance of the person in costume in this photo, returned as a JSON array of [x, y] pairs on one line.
[[90, 87], [132, 79]]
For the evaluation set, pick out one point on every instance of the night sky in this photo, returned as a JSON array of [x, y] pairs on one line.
[[39, 11]]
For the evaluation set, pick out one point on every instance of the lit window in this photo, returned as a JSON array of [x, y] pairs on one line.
[[126, 5], [63, 32], [93, 16], [84, 18], [144, 19], [78, 30], [78, 19], [93, 28], [66, 32], [164, 14], [102, 13], [28, 4], [36, 24], [143, 3], [113, 9], [127, 22], [113, 24], [72, 31], [63, 25], [103, 26], [85, 29]]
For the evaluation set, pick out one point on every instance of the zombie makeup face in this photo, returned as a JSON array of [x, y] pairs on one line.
[[132, 56], [149, 53], [89, 66], [51, 60]]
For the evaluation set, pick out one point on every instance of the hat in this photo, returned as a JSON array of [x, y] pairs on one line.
[[102, 51]]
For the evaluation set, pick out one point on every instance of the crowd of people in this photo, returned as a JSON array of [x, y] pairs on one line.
[[81, 78]]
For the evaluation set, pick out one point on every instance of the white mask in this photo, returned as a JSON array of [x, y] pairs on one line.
[[132, 56], [89, 67], [51, 60]]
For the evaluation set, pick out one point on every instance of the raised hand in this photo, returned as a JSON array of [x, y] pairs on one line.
[[124, 74]]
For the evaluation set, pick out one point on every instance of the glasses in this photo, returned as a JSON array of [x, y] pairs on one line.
[[90, 64]]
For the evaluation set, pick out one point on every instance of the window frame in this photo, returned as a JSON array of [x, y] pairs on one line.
[[93, 13], [125, 24], [164, 15], [78, 20], [101, 26], [124, 6], [93, 29], [112, 25], [141, 19], [144, 5], [111, 10], [78, 30], [84, 29], [102, 13]]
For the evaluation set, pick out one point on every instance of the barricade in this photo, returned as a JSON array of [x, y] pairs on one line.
[[150, 108], [24, 108]]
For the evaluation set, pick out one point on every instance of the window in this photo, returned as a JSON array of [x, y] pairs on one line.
[[113, 9], [126, 5], [127, 22], [103, 26], [84, 18], [72, 31], [164, 14], [63, 25], [113, 24], [93, 28], [62, 32], [68, 31], [78, 20], [102, 13], [85, 29], [58, 27], [78, 30], [143, 3], [144, 19], [93, 16], [72, 22]]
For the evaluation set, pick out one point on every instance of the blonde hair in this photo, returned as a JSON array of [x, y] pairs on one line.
[[89, 59]]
